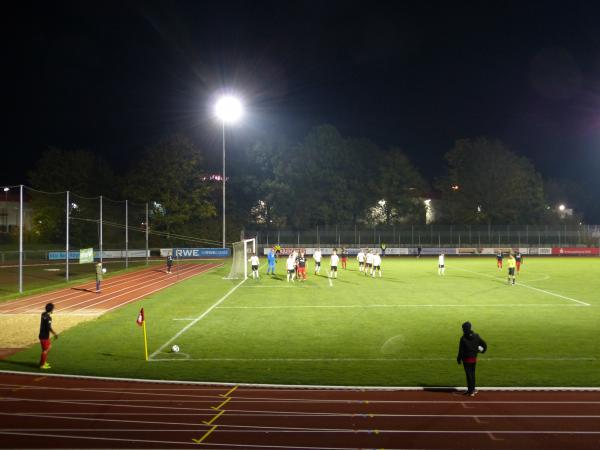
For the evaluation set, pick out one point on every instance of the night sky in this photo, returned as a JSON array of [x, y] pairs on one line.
[[113, 76]]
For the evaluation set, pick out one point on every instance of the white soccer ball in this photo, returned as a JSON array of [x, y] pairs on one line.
[[104, 270], [175, 348]]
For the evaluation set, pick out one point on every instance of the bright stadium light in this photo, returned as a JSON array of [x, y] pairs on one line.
[[6, 189], [228, 109], [561, 207]]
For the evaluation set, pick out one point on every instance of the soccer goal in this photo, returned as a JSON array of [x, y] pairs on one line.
[[241, 252]]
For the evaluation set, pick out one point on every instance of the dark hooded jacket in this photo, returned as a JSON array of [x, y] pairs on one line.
[[468, 347]]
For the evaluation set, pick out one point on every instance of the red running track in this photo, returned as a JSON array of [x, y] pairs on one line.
[[60, 412], [116, 291]]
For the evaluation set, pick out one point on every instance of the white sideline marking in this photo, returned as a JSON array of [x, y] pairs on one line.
[[195, 321], [527, 286], [315, 387], [465, 305], [330, 282], [583, 358]]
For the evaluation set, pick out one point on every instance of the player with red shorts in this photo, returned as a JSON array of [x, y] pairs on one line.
[[44, 336], [344, 258], [519, 259], [499, 259], [301, 266]]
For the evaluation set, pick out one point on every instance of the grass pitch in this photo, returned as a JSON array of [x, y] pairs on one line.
[[400, 330]]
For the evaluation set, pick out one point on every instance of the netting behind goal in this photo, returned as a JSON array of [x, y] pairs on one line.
[[241, 252]]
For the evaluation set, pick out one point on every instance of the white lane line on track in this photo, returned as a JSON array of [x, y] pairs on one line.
[[129, 287], [125, 403], [75, 291], [145, 294], [261, 413], [139, 284], [196, 320], [223, 428], [96, 438], [81, 292], [528, 287]]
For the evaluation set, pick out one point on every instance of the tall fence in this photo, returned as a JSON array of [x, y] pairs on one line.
[[436, 236], [43, 232]]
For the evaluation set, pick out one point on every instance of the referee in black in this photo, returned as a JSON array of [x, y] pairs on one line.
[[469, 346]]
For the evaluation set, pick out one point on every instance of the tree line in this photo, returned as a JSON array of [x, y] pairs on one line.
[[322, 179]]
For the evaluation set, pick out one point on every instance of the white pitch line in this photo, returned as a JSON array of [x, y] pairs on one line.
[[583, 358], [196, 320], [529, 287], [304, 387], [464, 305]]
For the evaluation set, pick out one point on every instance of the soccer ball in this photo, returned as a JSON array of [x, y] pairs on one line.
[[104, 270], [175, 348]]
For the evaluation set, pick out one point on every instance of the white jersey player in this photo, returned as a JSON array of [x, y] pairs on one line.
[[361, 260], [317, 257], [376, 265], [369, 263], [254, 262], [441, 265], [335, 259], [291, 267]]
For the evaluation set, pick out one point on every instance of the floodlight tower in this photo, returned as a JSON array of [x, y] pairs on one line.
[[228, 109]]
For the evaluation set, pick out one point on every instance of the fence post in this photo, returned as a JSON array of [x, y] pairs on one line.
[[67, 237], [147, 231], [318, 237], [20, 238], [101, 244], [126, 234], [412, 234]]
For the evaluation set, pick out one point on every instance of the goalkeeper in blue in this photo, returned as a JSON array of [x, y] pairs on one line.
[[271, 259]]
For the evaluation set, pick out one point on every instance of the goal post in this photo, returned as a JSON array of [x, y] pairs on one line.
[[241, 252]]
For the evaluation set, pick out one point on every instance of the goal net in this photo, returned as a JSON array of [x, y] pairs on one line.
[[241, 253]]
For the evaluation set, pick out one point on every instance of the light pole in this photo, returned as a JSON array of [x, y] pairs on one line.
[[6, 189], [229, 110]]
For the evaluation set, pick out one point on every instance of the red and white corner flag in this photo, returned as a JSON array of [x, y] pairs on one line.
[[140, 318]]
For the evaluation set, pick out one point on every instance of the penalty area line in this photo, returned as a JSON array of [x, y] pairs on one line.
[[529, 287], [196, 320]]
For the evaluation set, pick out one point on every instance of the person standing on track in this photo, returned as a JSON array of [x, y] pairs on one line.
[[44, 336], [99, 277], [441, 264], [499, 259], [469, 346], [169, 263]]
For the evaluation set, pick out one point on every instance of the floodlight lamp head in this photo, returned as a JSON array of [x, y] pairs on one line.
[[229, 109], [6, 189], [561, 207]]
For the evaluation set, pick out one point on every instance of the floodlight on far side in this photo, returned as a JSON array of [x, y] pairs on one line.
[[229, 109]]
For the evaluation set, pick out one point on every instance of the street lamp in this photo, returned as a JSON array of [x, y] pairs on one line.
[[228, 109]]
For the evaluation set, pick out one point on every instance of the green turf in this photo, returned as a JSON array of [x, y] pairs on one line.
[[402, 329]]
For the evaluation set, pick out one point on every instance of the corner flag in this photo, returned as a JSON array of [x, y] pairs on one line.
[[141, 320]]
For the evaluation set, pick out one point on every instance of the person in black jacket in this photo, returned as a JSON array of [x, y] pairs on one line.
[[469, 346]]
